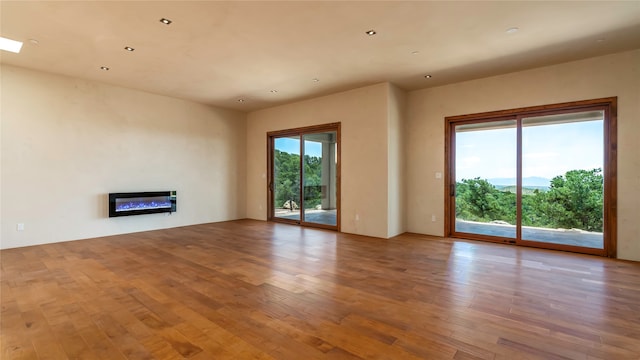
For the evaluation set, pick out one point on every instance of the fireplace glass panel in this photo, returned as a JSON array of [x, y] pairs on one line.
[[138, 203]]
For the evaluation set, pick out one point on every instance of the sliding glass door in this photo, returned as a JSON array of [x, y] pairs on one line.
[[319, 178], [486, 172], [304, 176], [286, 177], [562, 163], [540, 177]]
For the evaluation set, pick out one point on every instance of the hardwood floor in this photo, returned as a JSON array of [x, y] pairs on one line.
[[255, 290]]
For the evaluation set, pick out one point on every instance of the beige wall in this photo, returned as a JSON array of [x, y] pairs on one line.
[[363, 117], [396, 211], [66, 143], [613, 75]]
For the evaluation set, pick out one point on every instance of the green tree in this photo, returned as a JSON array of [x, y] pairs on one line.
[[478, 200], [312, 181], [574, 200], [532, 213], [287, 178]]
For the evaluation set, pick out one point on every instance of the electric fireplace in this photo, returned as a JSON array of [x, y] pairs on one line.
[[138, 203]]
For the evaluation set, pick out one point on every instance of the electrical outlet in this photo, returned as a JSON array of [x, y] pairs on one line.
[[20, 227]]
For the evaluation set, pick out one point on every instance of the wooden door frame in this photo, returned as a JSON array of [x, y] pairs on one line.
[[271, 136], [608, 105]]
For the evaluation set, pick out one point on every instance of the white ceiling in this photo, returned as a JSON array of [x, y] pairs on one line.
[[218, 52]]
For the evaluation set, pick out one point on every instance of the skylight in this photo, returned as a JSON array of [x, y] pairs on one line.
[[10, 45]]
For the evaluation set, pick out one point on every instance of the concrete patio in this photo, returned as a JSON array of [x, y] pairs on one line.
[[326, 217], [573, 237]]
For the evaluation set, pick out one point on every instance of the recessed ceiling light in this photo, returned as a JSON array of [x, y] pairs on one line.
[[512, 30], [370, 32], [34, 42], [273, 91], [428, 76], [415, 52], [241, 100], [104, 68], [129, 48], [10, 45], [315, 80], [165, 21], [600, 40]]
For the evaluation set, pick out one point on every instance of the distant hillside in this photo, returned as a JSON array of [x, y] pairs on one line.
[[526, 190], [535, 182]]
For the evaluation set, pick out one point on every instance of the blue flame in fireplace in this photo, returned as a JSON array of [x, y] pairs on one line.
[[133, 204]]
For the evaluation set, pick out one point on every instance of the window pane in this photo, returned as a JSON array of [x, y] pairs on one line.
[[319, 177], [485, 169], [286, 175], [562, 179]]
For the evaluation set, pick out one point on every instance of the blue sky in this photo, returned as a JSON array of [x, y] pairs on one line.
[[547, 151], [292, 146]]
